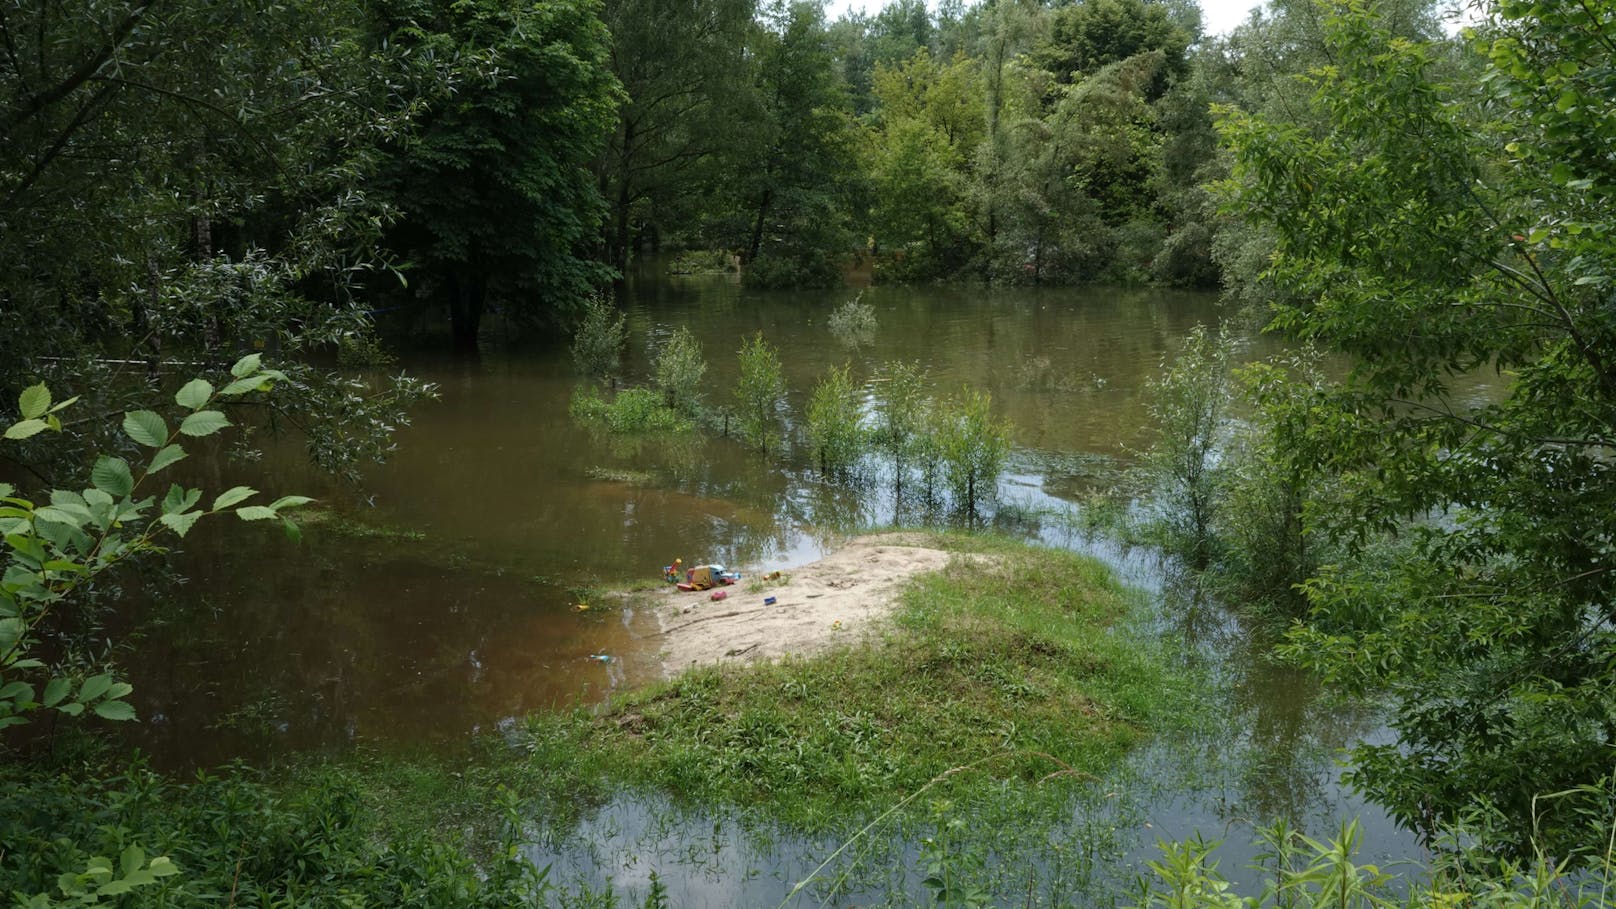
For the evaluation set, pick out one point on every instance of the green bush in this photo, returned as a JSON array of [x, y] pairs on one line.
[[900, 414], [834, 423], [677, 372], [759, 393], [597, 344], [633, 410], [1189, 405], [854, 321], [971, 446]]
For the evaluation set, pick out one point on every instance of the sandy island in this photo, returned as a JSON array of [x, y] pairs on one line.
[[838, 599]]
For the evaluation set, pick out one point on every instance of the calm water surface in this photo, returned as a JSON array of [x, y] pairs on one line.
[[437, 601]]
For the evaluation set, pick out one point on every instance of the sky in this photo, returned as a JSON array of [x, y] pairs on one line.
[[1218, 16]]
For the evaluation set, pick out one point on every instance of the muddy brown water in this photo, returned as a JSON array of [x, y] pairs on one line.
[[437, 601]]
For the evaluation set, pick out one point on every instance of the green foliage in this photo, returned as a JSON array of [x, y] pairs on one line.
[[760, 392], [1189, 405], [1428, 225], [901, 408], [57, 550], [499, 204], [971, 446], [854, 322], [316, 841], [632, 410], [677, 371], [598, 341], [835, 427]]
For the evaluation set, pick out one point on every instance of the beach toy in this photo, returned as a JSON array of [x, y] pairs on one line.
[[768, 601], [600, 657], [719, 595]]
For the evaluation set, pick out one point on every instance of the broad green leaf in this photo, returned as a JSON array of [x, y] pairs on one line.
[[6, 489], [55, 690], [289, 502], [113, 888], [26, 429], [17, 691], [233, 496], [293, 532], [145, 427], [163, 866], [132, 859], [34, 401], [166, 456], [194, 395], [180, 523], [63, 405], [204, 423], [73, 709], [242, 386], [95, 686], [118, 690], [256, 513], [115, 710], [111, 475], [59, 515], [246, 366]]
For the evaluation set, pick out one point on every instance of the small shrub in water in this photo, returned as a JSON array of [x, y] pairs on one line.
[[972, 447], [900, 412], [677, 372], [634, 410], [597, 345], [759, 393], [834, 429], [1189, 404], [854, 321]]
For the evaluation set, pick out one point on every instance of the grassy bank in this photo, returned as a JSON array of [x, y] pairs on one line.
[[1016, 662]]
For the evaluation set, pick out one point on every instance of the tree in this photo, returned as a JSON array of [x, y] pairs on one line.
[[498, 200], [689, 99], [1428, 229], [189, 178]]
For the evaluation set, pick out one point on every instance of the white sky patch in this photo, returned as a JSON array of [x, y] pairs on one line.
[[1219, 16]]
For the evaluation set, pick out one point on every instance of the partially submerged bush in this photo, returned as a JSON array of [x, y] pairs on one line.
[[759, 393], [632, 410], [677, 372], [1189, 404], [597, 344], [854, 321], [972, 447], [835, 430], [900, 412]]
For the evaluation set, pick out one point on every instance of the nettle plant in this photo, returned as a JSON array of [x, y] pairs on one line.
[[55, 549]]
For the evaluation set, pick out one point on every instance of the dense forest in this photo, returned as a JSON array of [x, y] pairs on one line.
[[207, 210]]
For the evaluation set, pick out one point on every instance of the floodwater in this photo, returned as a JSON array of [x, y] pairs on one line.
[[437, 602]]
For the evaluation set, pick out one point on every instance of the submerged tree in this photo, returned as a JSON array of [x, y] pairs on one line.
[[760, 392]]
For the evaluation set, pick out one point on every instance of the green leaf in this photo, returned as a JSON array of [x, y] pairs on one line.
[[73, 709], [34, 401], [113, 888], [180, 523], [17, 691], [194, 395], [63, 405], [118, 690], [166, 456], [242, 386], [163, 866], [233, 496], [293, 532], [204, 423], [119, 711], [59, 515], [55, 690], [145, 427], [95, 686], [289, 502], [256, 513], [111, 475], [26, 429], [131, 860], [246, 366]]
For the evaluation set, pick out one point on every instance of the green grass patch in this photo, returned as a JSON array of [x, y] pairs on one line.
[[632, 410], [1018, 662]]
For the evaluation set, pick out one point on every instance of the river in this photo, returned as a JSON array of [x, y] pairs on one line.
[[437, 601]]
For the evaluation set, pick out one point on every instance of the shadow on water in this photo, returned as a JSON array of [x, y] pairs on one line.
[[441, 600]]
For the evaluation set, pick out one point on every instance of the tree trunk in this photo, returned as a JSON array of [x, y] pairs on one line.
[[757, 227], [466, 294]]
